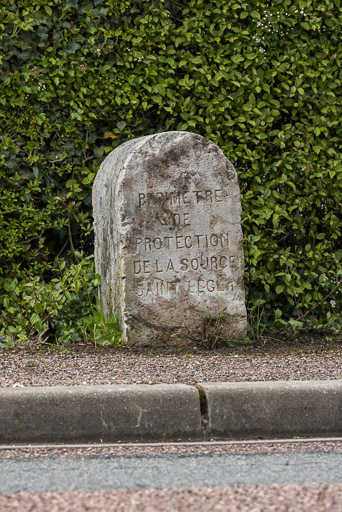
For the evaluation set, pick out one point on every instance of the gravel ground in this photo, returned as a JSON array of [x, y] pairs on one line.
[[287, 498], [301, 359], [238, 448]]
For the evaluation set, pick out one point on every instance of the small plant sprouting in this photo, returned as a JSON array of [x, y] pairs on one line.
[[256, 325], [105, 332], [212, 330]]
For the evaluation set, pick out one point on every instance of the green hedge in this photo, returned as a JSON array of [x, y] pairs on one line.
[[260, 79]]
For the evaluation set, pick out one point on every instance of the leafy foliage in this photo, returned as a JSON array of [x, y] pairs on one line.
[[105, 332], [63, 309], [262, 79]]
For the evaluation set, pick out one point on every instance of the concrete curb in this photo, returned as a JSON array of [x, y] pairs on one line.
[[273, 409], [170, 412], [99, 413]]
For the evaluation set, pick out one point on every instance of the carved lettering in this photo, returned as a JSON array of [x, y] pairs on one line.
[[219, 240], [157, 288], [163, 288], [170, 266], [208, 196], [211, 263], [163, 198], [174, 219], [200, 285]]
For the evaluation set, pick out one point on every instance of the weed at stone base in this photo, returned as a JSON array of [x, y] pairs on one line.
[[104, 332], [212, 330], [255, 324]]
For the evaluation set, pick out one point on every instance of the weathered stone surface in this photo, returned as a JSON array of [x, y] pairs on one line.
[[168, 240]]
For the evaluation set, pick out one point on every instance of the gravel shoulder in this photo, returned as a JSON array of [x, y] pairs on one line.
[[288, 498], [302, 358], [64, 451]]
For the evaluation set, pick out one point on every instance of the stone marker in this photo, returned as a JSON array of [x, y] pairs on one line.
[[168, 241]]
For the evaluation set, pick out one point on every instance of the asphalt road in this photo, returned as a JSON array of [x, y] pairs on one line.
[[167, 471]]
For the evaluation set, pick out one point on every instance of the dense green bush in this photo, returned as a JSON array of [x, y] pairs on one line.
[[61, 310], [262, 79]]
